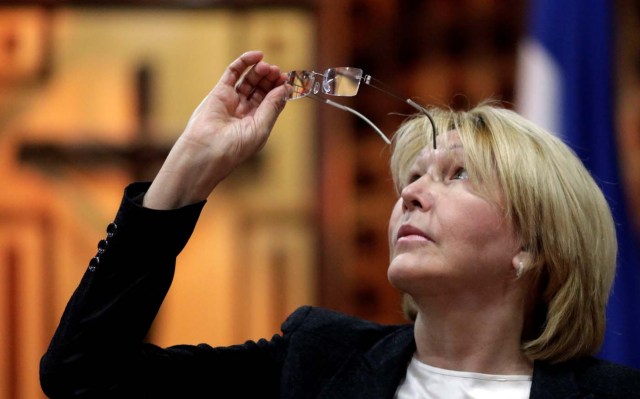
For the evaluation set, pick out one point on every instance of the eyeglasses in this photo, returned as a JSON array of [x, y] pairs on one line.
[[344, 82]]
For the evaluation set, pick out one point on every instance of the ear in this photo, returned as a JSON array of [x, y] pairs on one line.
[[521, 262]]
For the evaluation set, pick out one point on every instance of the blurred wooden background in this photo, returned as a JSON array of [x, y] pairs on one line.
[[92, 95]]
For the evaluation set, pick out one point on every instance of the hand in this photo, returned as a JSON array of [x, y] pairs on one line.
[[231, 124]]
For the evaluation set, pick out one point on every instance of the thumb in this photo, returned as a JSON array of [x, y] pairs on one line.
[[271, 106]]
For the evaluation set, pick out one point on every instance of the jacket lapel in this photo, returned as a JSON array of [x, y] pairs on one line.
[[376, 373], [555, 382]]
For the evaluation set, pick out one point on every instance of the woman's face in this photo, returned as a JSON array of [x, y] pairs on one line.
[[444, 236]]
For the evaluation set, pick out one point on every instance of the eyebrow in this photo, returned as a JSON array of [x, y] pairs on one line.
[[452, 151]]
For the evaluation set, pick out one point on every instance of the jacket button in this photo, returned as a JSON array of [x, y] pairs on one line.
[[102, 246], [112, 228], [93, 264]]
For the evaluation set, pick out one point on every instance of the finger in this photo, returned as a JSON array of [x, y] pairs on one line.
[[266, 84], [272, 105], [243, 86], [276, 81], [234, 71], [274, 76], [255, 90], [253, 78], [256, 97]]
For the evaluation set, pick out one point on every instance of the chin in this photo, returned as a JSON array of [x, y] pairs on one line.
[[404, 271]]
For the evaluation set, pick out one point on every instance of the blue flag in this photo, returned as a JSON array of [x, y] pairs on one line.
[[566, 85]]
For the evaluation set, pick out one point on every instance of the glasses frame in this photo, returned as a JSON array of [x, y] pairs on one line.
[[320, 87]]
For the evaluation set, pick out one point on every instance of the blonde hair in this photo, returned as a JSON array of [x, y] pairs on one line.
[[560, 214]]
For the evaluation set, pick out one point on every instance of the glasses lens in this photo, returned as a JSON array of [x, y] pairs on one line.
[[302, 83], [343, 81]]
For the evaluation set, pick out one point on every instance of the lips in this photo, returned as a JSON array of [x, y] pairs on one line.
[[409, 231]]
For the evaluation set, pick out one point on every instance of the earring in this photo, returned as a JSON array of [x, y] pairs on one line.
[[520, 269]]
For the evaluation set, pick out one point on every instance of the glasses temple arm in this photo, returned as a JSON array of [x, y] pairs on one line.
[[424, 111], [368, 79], [353, 111]]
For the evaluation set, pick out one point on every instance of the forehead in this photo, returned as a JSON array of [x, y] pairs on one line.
[[448, 145]]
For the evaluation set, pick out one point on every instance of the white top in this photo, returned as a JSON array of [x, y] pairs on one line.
[[424, 381]]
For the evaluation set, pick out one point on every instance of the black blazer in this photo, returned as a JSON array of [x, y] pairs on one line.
[[98, 350]]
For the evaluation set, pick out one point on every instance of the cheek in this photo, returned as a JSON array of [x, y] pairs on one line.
[[474, 225], [482, 229], [394, 223]]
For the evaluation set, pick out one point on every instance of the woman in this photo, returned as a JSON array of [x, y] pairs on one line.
[[501, 241]]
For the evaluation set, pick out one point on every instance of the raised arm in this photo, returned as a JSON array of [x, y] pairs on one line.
[[232, 123], [97, 349]]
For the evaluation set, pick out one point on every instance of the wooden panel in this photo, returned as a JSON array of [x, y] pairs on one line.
[[252, 258], [23, 43], [437, 52]]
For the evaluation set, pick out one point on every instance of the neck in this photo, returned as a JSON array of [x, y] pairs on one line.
[[469, 334]]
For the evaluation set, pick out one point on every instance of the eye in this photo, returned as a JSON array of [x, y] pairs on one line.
[[412, 178], [408, 180], [460, 174]]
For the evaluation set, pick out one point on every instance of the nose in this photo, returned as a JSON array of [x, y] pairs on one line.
[[416, 195]]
